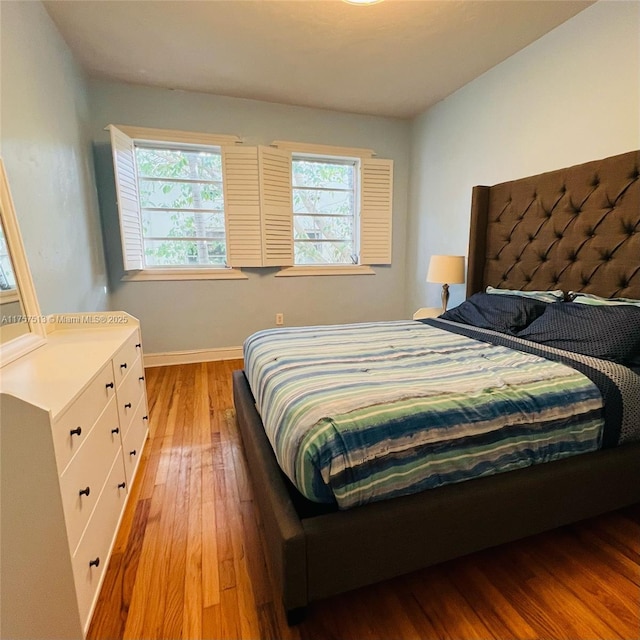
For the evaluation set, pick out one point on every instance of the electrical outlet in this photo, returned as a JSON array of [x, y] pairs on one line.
[[279, 319]]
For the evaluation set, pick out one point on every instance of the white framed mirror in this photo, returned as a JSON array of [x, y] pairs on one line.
[[22, 327]]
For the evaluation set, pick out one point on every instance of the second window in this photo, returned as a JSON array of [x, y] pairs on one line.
[[325, 210]]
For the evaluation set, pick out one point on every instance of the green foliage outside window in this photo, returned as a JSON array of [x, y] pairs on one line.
[[324, 205], [181, 197]]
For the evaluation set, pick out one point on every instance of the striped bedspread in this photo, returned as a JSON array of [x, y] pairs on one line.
[[364, 412]]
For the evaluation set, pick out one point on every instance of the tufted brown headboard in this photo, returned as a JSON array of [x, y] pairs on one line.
[[575, 229]]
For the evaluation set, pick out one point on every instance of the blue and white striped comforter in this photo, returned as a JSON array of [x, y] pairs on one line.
[[364, 412]]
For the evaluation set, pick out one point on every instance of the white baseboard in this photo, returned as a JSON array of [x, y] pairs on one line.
[[192, 357]]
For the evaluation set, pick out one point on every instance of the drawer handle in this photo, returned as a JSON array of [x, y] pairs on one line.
[[127, 406], [109, 385], [116, 430], [94, 563], [85, 492], [145, 417], [138, 346], [122, 485], [75, 432], [141, 378], [132, 453], [123, 365]]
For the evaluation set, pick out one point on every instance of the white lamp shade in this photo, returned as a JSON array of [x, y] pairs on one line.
[[446, 269]]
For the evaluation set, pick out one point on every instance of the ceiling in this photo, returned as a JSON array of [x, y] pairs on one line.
[[394, 58]]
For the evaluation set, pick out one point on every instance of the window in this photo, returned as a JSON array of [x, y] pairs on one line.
[[201, 205], [181, 206], [325, 206], [342, 209]]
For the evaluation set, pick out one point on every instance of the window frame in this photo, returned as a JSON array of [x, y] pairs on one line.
[[375, 209], [212, 149], [124, 139], [353, 161]]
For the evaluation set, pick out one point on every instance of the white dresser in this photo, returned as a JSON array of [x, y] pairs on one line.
[[74, 421]]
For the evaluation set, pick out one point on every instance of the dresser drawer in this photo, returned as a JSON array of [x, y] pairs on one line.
[[72, 428], [129, 394], [125, 357], [97, 540], [82, 481], [134, 441]]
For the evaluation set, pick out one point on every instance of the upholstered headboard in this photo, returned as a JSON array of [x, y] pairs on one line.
[[575, 229]]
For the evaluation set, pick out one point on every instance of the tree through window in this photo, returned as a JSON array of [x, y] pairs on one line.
[[181, 206], [325, 195]]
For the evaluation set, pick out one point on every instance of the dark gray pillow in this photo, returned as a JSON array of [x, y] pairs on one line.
[[504, 313], [607, 332]]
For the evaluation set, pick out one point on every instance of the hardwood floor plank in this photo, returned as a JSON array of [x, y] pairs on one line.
[[578, 620], [189, 558], [247, 608], [140, 600], [211, 524], [173, 614], [154, 619], [212, 623], [450, 614], [193, 585], [211, 584], [606, 593], [621, 533], [255, 560], [600, 548], [493, 607], [412, 610], [229, 614], [517, 587]]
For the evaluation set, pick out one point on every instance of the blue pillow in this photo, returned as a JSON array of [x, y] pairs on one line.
[[504, 313], [544, 296], [607, 332]]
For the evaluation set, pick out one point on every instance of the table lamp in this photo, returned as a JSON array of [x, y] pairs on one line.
[[446, 270]]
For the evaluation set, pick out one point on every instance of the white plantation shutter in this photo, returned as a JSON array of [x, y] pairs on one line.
[[276, 206], [124, 166], [376, 197], [242, 206]]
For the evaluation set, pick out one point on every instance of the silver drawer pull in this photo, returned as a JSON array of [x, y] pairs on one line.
[[94, 563], [109, 385], [122, 485], [132, 453], [116, 430], [75, 432], [127, 406], [123, 365], [84, 492]]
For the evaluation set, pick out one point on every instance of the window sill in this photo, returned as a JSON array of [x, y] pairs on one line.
[[346, 270], [184, 274]]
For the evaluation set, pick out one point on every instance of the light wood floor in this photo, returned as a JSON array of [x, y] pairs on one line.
[[188, 561]]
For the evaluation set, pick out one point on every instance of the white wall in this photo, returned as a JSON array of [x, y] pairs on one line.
[[183, 315], [570, 97], [47, 154]]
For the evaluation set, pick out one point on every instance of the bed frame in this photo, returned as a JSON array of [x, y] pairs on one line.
[[573, 229]]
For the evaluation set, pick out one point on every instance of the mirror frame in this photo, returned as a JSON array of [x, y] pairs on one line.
[[19, 346]]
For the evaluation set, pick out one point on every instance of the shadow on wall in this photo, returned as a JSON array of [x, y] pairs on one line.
[[106, 185]]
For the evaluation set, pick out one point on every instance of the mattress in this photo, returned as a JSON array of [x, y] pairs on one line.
[[360, 413]]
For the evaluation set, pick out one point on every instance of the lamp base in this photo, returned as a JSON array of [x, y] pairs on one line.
[[445, 297]]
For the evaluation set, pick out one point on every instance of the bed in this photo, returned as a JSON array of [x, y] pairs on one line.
[[575, 229]]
